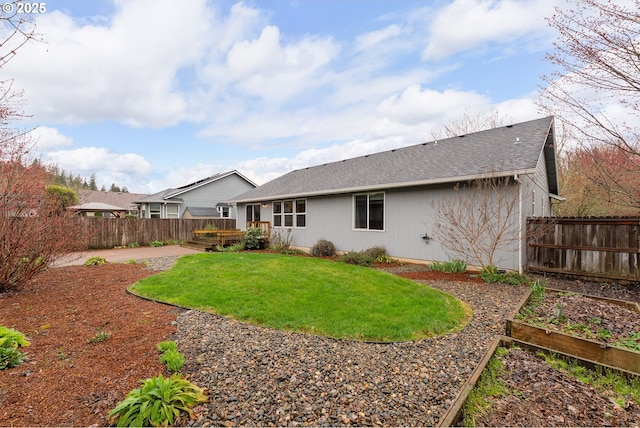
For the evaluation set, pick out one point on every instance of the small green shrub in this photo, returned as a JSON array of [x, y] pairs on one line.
[[10, 338], [492, 275], [212, 227], [173, 242], [231, 248], [360, 258], [323, 248], [377, 252], [99, 337], [454, 266], [156, 244], [167, 346], [10, 357], [133, 245], [385, 259], [158, 402], [289, 251], [95, 261], [173, 359], [132, 261], [10, 341], [251, 238]]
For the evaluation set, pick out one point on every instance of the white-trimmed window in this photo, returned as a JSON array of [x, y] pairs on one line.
[[277, 214], [173, 211], [225, 212], [368, 211], [155, 211], [253, 212], [290, 213]]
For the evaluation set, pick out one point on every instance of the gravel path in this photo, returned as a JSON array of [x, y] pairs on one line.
[[260, 376]]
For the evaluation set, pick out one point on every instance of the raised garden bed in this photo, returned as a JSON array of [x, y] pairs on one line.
[[532, 392], [594, 328]]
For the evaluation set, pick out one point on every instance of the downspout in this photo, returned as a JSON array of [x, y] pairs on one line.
[[517, 180]]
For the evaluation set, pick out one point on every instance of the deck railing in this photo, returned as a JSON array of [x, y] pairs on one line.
[[265, 226]]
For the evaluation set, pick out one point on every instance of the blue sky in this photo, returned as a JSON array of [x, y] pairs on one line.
[[152, 94]]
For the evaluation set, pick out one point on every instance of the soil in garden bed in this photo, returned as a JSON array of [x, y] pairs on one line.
[[545, 396], [581, 316]]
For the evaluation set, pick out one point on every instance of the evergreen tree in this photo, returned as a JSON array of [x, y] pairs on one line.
[[92, 182]]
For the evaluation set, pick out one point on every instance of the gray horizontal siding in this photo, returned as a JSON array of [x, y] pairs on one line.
[[409, 215], [212, 193]]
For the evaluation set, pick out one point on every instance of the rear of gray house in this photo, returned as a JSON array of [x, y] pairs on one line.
[[388, 199]]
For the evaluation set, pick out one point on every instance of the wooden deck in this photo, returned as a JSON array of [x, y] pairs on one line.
[[208, 239]]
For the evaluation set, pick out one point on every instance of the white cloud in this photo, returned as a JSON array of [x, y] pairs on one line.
[[266, 68], [415, 106], [372, 39], [469, 24], [124, 70], [520, 109], [50, 138], [91, 159]]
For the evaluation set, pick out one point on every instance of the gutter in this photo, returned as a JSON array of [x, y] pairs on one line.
[[517, 180]]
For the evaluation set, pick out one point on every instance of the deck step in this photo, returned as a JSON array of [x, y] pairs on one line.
[[197, 245]]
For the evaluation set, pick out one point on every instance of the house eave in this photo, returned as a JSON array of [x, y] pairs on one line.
[[378, 187]]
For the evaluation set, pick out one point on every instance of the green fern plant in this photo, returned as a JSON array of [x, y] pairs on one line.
[[158, 402]]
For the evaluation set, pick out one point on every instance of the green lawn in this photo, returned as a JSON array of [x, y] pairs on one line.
[[308, 295]]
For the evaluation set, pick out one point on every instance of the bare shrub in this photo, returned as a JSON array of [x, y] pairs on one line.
[[323, 248]]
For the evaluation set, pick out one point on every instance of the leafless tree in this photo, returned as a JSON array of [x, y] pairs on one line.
[[479, 220], [16, 30], [469, 122], [595, 90]]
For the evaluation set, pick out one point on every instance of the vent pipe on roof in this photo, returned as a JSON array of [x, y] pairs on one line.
[[517, 140]]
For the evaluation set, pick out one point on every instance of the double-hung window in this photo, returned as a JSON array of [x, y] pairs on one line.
[[173, 211], [290, 213], [368, 211], [155, 210]]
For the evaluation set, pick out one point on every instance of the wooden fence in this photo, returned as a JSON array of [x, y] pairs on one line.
[[596, 247], [115, 232]]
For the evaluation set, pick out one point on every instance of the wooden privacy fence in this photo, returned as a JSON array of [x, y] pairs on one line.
[[598, 247], [115, 232]]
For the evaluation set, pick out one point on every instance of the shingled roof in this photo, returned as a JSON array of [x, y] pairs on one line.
[[169, 195], [507, 150]]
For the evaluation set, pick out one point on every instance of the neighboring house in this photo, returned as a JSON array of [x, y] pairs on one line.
[[202, 199], [387, 199], [94, 203]]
